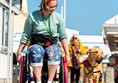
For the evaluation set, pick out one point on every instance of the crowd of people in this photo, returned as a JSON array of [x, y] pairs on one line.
[[44, 30]]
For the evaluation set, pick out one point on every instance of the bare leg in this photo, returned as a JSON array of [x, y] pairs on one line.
[[81, 75], [37, 72], [51, 71]]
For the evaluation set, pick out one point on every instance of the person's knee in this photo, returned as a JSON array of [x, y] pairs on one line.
[[36, 53], [54, 55]]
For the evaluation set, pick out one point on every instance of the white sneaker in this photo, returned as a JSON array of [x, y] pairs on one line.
[[32, 82], [38, 82]]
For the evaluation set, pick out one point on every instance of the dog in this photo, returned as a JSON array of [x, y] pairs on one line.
[[93, 66]]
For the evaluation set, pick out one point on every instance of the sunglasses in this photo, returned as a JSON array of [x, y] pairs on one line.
[[74, 38]]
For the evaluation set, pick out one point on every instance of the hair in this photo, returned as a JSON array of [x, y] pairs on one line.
[[74, 35], [44, 3]]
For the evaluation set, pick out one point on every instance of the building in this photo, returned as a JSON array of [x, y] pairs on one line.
[[19, 19], [110, 33], [8, 8]]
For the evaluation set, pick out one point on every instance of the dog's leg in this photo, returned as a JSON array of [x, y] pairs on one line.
[[85, 79], [97, 79]]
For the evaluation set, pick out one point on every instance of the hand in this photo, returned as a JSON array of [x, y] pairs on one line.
[[18, 58], [67, 58], [78, 50]]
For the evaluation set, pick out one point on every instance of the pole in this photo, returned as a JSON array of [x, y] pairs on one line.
[[9, 79], [64, 11]]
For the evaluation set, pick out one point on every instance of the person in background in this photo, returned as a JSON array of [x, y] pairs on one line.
[[76, 50], [114, 63], [41, 24]]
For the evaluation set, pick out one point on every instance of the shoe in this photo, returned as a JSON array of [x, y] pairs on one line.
[[32, 82]]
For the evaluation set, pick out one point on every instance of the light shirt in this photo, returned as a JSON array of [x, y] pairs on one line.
[[34, 24]]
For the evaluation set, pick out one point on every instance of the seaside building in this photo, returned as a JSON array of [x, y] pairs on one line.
[[110, 33], [8, 8]]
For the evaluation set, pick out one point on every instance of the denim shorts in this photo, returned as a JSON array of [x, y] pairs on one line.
[[36, 53]]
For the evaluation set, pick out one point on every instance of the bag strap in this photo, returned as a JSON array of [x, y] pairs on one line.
[[46, 24], [74, 52]]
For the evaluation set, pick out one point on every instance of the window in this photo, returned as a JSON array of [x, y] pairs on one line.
[[5, 29]]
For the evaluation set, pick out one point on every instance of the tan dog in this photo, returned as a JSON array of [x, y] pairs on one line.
[[93, 65]]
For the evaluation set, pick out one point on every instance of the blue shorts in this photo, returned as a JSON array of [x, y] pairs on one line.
[[36, 53]]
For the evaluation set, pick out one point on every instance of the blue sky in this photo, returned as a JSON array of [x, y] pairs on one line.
[[86, 16]]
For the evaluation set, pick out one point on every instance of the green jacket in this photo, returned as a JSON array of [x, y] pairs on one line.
[[34, 24]]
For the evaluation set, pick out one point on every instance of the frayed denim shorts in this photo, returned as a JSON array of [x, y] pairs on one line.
[[36, 53]]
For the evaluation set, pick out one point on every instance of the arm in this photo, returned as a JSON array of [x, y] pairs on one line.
[[63, 37], [25, 37], [65, 47], [21, 47]]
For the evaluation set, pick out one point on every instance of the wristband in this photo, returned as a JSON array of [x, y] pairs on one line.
[[18, 54]]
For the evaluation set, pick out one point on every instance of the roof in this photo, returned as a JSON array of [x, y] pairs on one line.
[[111, 33]]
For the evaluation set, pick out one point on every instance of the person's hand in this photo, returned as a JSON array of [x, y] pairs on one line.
[[78, 50], [67, 58], [18, 58]]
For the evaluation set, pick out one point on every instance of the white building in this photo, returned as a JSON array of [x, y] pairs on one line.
[[110, 33], [7, 10]]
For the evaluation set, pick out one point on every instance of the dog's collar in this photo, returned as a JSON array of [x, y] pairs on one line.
[[88, 71], [87, 64]]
